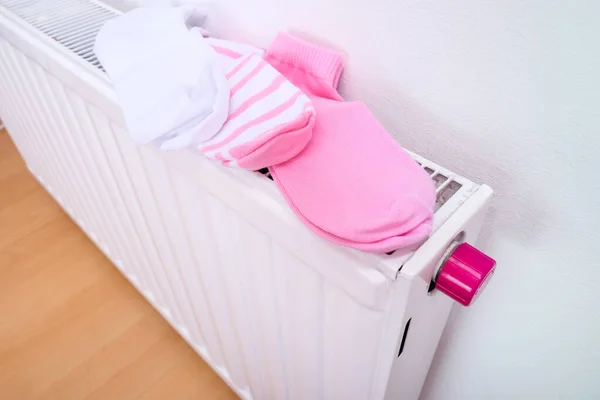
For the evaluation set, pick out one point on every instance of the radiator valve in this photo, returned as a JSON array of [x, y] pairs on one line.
[[464, 273]]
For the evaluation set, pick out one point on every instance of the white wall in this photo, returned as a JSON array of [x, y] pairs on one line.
[[507, 93]]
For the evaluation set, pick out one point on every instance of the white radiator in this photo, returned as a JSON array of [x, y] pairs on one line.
[[276, 311]]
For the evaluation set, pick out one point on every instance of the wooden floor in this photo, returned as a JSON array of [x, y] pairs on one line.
[[71, 327]]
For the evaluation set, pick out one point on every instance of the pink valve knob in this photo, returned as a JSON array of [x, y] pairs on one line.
[[465, 273]]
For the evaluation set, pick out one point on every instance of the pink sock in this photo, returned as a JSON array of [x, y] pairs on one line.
[[352, 184], [270, 120]]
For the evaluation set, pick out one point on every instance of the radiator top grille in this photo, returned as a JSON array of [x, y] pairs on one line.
[[72, 23]]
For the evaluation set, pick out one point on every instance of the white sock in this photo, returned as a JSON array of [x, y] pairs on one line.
[[169, 83]]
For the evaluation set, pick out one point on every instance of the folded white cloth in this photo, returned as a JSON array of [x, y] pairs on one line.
[[170, 86]]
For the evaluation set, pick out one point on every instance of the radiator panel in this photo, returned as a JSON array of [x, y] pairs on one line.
[[269, 323]]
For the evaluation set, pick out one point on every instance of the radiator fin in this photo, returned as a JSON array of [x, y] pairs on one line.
[[72, 23]]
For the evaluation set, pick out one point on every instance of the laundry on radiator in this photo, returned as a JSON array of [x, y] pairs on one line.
[[338, 169], [180, 89]]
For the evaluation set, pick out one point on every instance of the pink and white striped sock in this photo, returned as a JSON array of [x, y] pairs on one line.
[[270, 120]]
